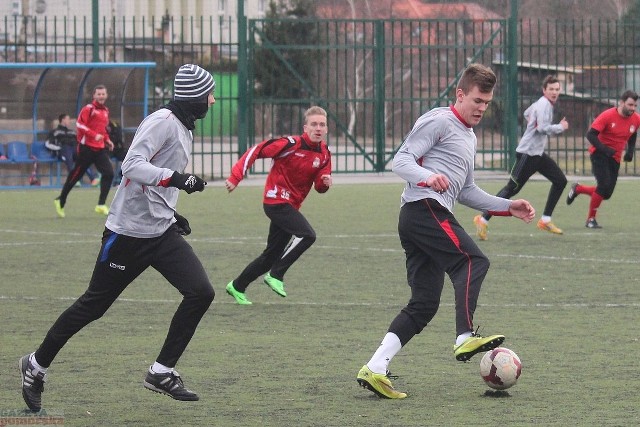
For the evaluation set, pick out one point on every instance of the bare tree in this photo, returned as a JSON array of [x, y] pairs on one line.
[[358, 81]]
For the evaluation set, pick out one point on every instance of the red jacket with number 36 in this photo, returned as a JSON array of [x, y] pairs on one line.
[[298, 163]]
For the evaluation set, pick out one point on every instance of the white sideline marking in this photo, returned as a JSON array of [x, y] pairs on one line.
[[261, 240], [341, 304]]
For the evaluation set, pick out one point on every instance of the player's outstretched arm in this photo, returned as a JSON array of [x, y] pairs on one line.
[[522, 209]]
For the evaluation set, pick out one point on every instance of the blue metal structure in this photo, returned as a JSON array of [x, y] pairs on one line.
[[78, 93], [34, 94]]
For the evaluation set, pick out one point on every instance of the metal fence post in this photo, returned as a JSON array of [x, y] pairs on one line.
[[511, 105], [379, 89], [243, 65], [95, 30]]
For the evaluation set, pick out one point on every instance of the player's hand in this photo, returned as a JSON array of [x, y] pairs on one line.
[[109, 145], [183, 224], [229, 186], [187, 182], [522, 209], [564, 123], [99, 137], [438, 183], [327, 180], [628, 157]]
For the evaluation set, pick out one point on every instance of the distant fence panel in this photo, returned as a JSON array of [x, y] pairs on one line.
[[375, 77]]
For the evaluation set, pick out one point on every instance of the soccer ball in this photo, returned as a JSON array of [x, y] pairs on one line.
[[500, 368]]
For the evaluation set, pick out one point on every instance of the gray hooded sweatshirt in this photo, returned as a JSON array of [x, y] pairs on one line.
[[142, 207], [440, 143]]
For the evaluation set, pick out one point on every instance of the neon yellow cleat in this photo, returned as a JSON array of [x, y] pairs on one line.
[[379, 384], [275, 284], [481, 227], [549, 226], [475, 344], [238, 296], [102, 209], [59, 209]]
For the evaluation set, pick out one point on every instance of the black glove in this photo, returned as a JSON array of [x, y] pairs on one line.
[[187, 182], [182, 224], [628, 157]]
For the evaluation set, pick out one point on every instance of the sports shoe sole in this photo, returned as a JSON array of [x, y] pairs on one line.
[[572, 194], [155, 389], [549, 230], [484, 347], [481, 228], [238, 301], [365, 384], [362, 382], [282, 293], [22, 365]]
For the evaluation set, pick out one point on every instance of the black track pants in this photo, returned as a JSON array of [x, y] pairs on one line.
[[281, 251], [434, 244], [120, 261]]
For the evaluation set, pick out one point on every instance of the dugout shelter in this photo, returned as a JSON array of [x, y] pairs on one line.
[[33, 95]]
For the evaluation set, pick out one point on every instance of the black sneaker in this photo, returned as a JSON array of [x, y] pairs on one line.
[[169, 384], [32, 383], [572, 193], [592, 223]]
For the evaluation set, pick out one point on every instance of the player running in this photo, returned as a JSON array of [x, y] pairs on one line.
[[144, 230], [531, 158], [299, 162], [615, 130]]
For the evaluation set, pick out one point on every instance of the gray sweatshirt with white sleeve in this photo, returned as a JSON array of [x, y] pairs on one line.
[[539, 116], [440, 143], [142, 207]]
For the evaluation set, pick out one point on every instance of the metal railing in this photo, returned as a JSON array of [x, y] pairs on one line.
[[375, 77]]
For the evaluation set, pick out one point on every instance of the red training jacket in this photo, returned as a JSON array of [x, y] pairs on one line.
[[298, 164], [93, 120]]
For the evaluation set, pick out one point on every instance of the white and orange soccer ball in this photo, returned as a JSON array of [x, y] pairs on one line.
[[500, 368]]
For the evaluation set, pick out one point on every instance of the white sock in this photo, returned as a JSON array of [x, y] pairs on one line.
[[389, 347], [160, 368], [484, 220], [545, 219], [462, 337], [34, 362]]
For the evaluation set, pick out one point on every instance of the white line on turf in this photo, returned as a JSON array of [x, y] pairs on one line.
[[334, 304]]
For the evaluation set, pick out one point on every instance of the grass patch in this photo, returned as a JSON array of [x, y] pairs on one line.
[[567, 304]]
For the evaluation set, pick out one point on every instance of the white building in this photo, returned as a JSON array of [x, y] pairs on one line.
[[190, 20]]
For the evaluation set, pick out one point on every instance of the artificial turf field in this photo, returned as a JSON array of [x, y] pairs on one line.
[[569, 306]]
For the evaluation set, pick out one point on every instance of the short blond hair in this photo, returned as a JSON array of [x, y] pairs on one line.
[[314, 111]]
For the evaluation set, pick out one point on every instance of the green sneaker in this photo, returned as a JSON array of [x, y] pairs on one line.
[[275, 284], [102, 209], [59, 209], [239, 296], [476, 344], [379, 384]]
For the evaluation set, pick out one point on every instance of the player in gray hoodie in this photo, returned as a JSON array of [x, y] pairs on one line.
[[144, 230], [531, 158]]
